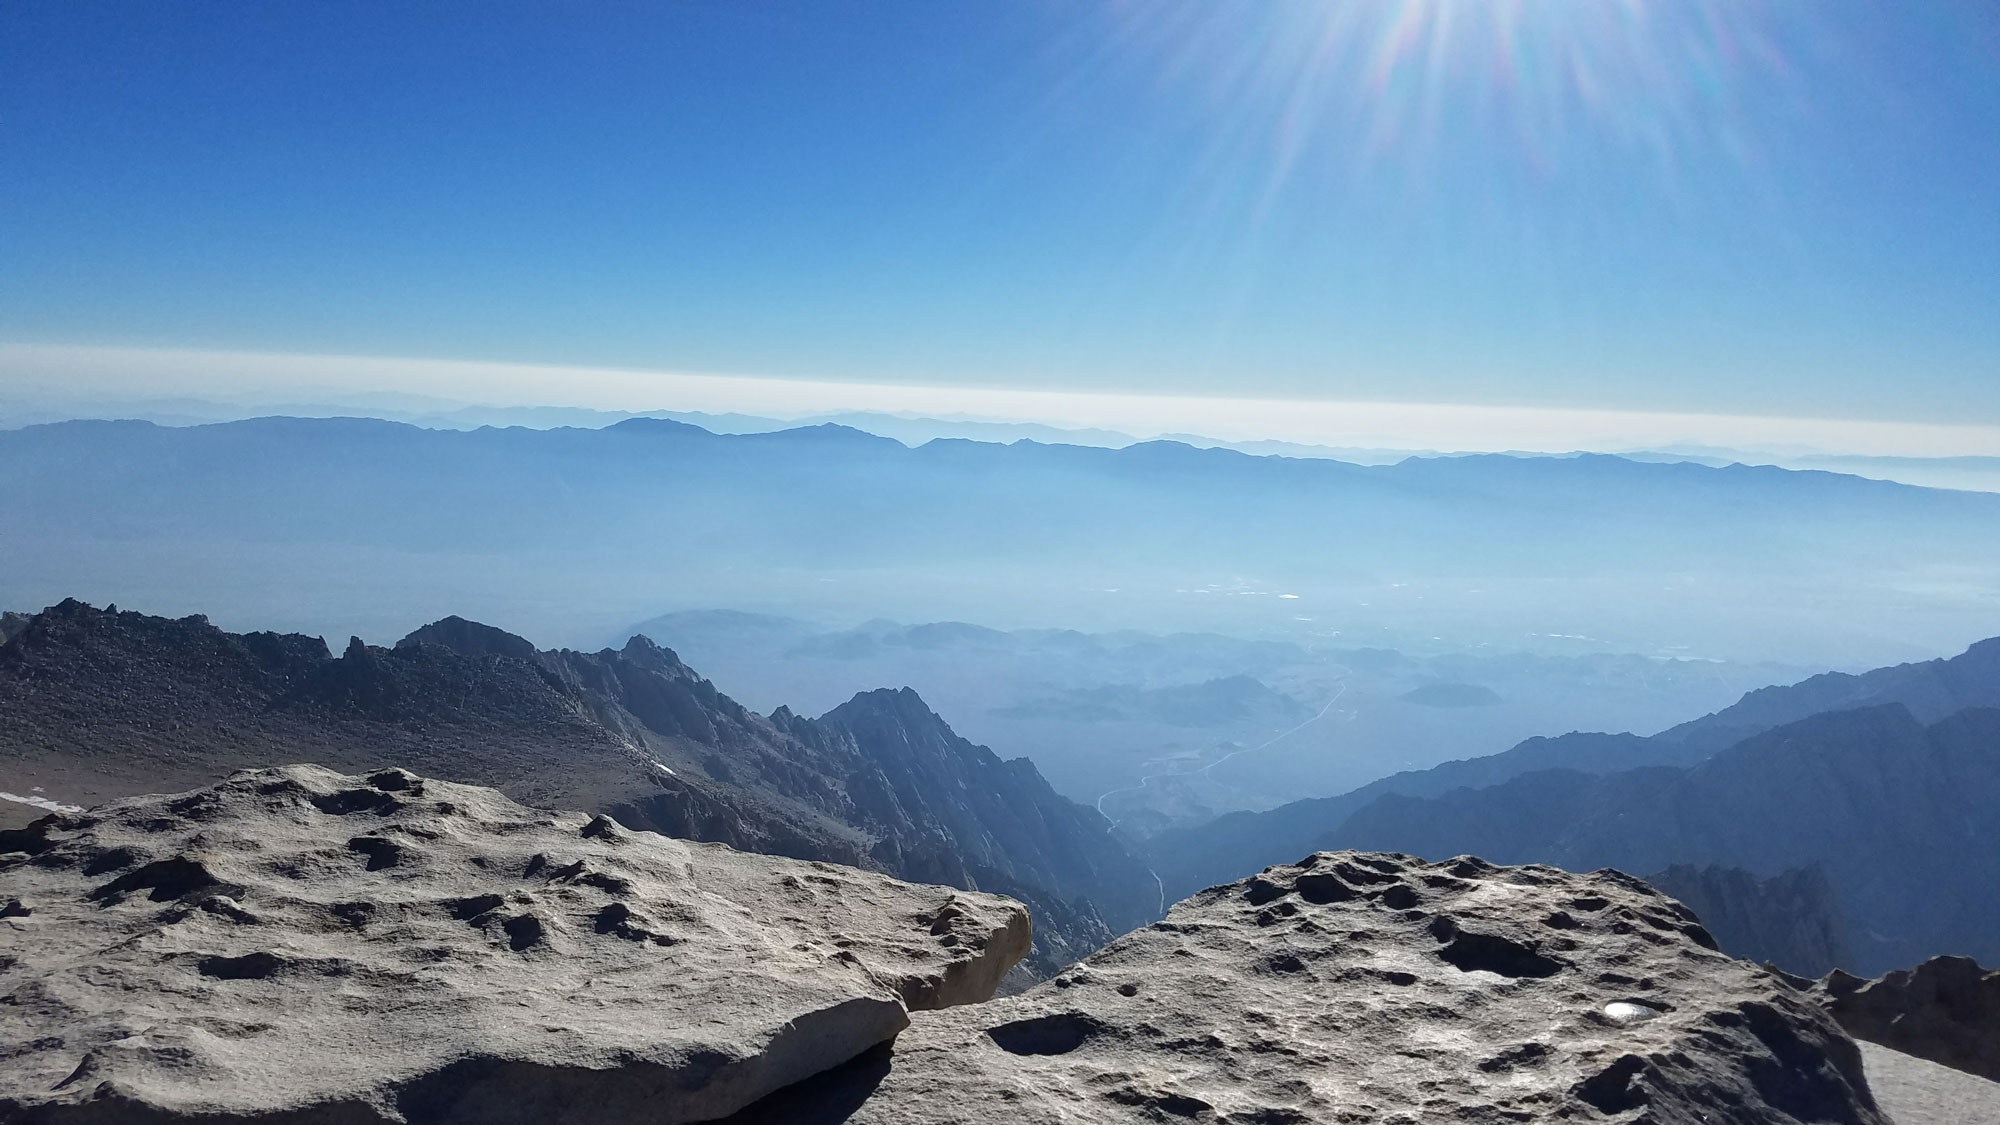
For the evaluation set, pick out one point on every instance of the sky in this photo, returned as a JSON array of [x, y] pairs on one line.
[[1534, 210]]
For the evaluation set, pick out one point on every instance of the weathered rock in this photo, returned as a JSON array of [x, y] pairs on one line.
[[1357, 987], [299, 945], [1946, 1010]]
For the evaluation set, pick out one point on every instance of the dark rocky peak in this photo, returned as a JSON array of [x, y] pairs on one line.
[[12, 623], [470, 638], [426, 683], [279, 651], [893, 716], [73, 638], [642, 652], [1946, 1010], [903, 704], [644, 688]]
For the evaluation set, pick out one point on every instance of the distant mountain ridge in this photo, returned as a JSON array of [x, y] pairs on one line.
[[96, 704], [1903, 817], [1930, 689], [381, 518], [1190, 859]]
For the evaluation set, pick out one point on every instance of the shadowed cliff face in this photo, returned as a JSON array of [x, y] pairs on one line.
[[96, 704], [1791, 920]]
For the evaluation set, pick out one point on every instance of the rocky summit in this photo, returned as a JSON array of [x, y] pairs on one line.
[[1358, 987], [101, 704], [304, 946]]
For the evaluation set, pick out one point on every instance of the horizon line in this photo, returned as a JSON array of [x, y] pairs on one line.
[[84, 372]]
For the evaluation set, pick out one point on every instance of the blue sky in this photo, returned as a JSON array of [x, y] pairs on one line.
[[1728, 206]]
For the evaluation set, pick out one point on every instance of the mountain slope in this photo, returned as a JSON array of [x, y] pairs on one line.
[[1903, 818], [1930, 689], [1226, 848], [98, 704]]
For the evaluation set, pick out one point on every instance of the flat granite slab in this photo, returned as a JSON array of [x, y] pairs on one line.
[[1914, 1091], [302, 946]]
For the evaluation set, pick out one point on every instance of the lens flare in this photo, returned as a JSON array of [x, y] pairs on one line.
[[1357, 83]]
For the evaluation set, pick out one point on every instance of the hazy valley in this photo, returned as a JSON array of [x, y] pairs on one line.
[[1326, 562]]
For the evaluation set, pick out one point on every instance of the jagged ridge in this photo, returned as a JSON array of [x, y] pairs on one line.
[[99, 704]]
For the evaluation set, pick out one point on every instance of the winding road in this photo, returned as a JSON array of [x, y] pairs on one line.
[[1340, 689]]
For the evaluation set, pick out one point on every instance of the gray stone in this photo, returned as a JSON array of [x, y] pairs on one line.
[[1914, 1091], [302, 946], [1356, 987]]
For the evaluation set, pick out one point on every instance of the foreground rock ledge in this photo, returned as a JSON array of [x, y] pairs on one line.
[[1373, 988], [302, 946]]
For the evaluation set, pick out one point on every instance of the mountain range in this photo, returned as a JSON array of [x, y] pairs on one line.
[[1162, 730], [97, 704], [570, 533], [1861, 835], [1885, 782]]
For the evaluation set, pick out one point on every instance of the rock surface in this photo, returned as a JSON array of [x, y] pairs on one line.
[[300, 945], [1357, 987], [1914, 1091], [1946, 1010]]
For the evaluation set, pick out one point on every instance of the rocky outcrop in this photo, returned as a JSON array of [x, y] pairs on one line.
[[1189, 859], [1790, 920], [469, 638], [1007, 823], [304, 946], [1946, 1010], [96, 705], [1360, 987]]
